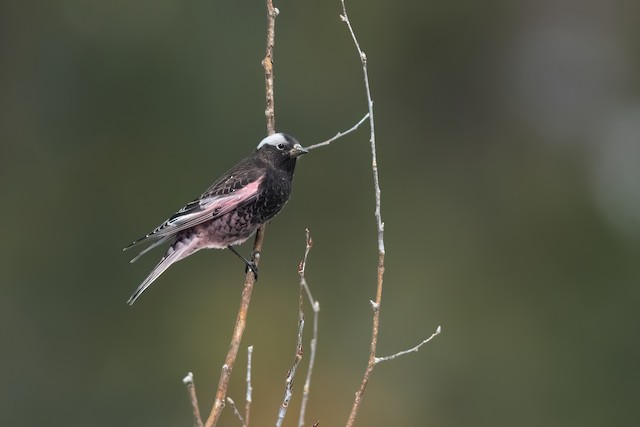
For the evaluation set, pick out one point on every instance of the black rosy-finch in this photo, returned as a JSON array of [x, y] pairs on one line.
[[231, 210]]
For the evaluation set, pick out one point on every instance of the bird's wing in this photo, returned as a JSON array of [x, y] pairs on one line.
[[223, 196]]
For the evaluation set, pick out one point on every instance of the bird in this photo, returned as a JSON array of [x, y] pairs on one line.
[[244, 198]]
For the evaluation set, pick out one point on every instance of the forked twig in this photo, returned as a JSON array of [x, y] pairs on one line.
[[241, 320], [376, 305], [380, 226], [288, 382], [315, 305]]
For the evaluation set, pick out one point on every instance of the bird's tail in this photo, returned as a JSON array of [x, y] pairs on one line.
[[180, 249], [148, 248]]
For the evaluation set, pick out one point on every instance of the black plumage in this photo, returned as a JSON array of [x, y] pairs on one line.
[[231, 210]]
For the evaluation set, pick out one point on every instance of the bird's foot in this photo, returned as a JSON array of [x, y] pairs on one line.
[[251, 265]]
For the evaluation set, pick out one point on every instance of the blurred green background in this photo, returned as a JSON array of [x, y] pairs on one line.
[[509, 153]]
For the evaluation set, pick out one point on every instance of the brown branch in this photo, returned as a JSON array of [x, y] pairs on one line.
[[241, 320], [238, 331], [267, 63], [191, 389]]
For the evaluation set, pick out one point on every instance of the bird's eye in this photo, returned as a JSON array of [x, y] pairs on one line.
[[280, 146]]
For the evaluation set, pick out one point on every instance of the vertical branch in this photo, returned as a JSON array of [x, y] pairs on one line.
[[267, 63], [380, 226], [315, 305], [288, 383], [374, 160], [248, 399], [241, 320], [191, 389]]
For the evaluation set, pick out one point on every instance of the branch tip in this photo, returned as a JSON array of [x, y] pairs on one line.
[[188, 379], [193, 398]]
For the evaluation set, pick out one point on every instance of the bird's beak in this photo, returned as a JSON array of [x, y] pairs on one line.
[[298, 150]]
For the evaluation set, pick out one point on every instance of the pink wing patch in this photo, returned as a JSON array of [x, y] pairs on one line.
[[206, 209], [223, 204]]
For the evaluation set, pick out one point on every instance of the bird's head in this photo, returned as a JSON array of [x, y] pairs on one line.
[[280, 146]]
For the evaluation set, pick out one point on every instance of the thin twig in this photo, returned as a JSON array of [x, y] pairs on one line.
[[241, 320], [380, 226], [247, 405], [191, 389], [234, 408], [411, 350], [315, 305], [288, 383], [339, 134]]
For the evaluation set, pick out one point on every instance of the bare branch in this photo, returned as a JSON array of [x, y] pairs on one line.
[[241, 320], [191, 389], [236, 338], [247, 406], [288, 383], [411, 350], [380, 226], [315, 305], [375, 305], [235, 411], [267, 63], [374, 161], [339, 134]]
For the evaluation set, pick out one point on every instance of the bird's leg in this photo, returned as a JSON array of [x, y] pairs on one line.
[[250, 265]]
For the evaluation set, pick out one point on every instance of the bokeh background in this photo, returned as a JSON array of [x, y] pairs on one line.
[[509, 153]]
